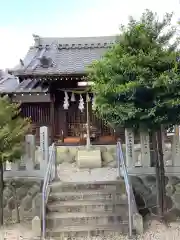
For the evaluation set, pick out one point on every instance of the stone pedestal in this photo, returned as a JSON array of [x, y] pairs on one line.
[[89, 159]]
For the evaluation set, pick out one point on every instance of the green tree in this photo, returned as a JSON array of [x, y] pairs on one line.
[[138, 82], [12, 131]]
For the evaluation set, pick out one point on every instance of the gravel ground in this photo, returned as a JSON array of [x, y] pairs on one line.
[[155, 231]]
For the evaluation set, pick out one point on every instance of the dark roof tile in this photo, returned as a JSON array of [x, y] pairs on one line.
[[8, 83], [30, 86]]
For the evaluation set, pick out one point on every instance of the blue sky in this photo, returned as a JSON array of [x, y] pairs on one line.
[[32, 12], [19, 19]]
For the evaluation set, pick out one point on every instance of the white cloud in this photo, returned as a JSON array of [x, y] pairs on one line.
[[104, 19]]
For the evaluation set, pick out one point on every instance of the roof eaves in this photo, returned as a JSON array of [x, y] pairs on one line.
[[55, 73]]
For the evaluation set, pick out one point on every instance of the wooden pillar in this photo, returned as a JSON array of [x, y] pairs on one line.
[[52, 117], [60, 122], [65, 122]]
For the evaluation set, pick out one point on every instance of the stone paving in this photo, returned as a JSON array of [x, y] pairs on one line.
[[68, 172]]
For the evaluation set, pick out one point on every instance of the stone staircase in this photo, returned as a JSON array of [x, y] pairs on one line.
[[87, 209]]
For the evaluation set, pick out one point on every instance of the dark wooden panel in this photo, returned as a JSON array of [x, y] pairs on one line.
[[60, 121], [38, 112]]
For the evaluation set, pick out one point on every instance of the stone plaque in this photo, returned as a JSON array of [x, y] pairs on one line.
[[44, 143], [145, 149], [130, 156]]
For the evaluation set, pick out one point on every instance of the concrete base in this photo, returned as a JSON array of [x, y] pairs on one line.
[[89, 159]]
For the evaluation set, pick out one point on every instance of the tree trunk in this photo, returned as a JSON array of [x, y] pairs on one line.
[[162, 172], [158, 179], [1, 191]]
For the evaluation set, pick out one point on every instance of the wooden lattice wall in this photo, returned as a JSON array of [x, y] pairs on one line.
[[39, 113]]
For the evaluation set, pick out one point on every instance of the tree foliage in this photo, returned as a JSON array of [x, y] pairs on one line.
[[137, 83], [12, 132], [137, 80]]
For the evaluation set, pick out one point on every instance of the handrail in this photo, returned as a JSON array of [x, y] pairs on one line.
[[49, 176], [129, 191]]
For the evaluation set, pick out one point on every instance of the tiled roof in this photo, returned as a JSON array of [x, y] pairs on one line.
[[63, 55], [8, 83], [31, 86]]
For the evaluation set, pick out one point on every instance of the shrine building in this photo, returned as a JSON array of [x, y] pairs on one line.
[[52, 92]]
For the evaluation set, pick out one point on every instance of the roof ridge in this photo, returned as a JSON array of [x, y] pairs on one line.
[[81, 37], [75, 42], [84, 45]]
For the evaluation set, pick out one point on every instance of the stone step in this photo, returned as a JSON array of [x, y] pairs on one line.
[[86, 231], [87, 206], [103, 194], [55, 220], [81, 186]]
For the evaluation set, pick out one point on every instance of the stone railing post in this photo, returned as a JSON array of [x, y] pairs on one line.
[[130, 153]]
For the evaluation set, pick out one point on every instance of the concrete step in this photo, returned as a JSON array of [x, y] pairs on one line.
[[87, 206], [88, 230], [92, 195], [55, 220], [81, 186]]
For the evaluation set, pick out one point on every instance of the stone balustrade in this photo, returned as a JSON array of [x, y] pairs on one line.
[[33, 163], [140, 159]]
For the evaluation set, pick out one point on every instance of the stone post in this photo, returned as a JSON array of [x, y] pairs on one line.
[[8, 166], [145, 149], [130, 154], [30, 148], [44, 144], [36, 226], [167, 151], [176, 148]]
